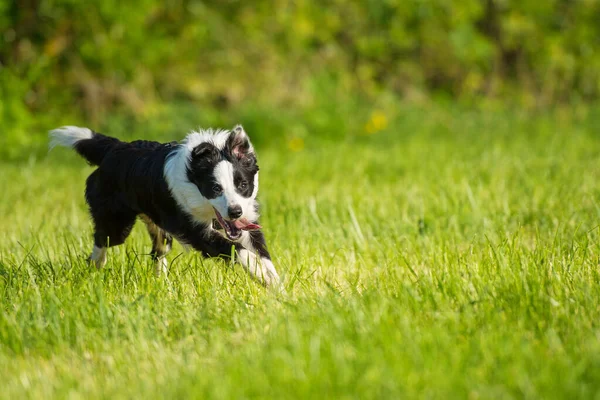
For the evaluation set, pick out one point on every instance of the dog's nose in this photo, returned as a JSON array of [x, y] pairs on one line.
[[234, 211]]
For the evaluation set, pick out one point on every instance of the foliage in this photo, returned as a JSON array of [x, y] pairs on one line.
[[65, 60]]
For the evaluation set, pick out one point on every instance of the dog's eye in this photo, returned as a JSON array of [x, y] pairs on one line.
[[243, 185], [217, 189]]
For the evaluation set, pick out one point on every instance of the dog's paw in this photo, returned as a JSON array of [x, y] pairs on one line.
[[271, 278], [160, 266], [261, 269]]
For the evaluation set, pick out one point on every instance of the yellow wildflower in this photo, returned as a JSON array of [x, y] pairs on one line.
[[296, 144], [376, 123]]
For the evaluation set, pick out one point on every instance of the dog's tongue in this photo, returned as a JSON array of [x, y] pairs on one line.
[[245, 225]]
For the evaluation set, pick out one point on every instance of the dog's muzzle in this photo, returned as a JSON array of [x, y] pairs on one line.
[[233, 229]]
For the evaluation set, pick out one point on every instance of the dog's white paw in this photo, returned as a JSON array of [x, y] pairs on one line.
[[98, 257], [160, 266], [262, 269], [272, 279]]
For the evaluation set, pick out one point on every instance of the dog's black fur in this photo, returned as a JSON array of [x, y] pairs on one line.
[[130, 182]]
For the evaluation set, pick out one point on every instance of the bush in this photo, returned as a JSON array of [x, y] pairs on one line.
[[66, 60]]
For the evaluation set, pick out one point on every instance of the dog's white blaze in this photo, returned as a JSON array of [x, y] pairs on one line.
[[98, 256], [68, 136], [223, 173]]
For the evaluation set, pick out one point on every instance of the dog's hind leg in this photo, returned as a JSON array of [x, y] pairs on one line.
[[98, 256], [161, 245], [110, 230], [112, 221]]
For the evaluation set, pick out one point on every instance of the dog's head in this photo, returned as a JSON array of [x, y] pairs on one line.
[[225, 171]]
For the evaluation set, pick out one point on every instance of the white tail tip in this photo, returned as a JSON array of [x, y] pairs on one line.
[[68, 136]]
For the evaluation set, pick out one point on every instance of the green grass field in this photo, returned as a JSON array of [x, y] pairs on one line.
[[450, 255]]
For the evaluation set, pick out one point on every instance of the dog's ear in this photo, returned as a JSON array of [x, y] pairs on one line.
[[239, 143], [203, 151]]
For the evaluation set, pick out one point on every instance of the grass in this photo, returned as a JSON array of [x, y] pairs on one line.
[[453, 256]]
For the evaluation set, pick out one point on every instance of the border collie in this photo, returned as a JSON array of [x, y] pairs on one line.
[[201, 192]]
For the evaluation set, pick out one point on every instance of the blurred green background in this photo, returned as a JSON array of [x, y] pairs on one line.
[[429, 191], [293, 72]]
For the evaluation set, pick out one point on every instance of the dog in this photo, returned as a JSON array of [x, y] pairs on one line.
[[201, 191]]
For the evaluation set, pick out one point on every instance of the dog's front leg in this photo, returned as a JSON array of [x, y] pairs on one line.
[[255, 258], [251, 252]]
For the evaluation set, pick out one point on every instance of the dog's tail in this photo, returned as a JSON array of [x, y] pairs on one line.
[[90, 145]]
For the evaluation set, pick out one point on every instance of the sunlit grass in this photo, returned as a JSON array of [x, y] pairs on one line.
[[459, 263]]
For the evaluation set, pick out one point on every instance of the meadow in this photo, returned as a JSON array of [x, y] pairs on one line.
[[446, 253]]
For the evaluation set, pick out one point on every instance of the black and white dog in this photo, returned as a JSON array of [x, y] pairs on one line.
[[201, 192]]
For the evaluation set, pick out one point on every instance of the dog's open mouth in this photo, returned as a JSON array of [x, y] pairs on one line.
[[233, 229]]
